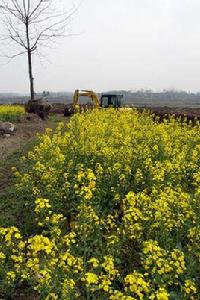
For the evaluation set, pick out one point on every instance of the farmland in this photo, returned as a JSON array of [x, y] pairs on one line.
[[108, 208], [11, 113]]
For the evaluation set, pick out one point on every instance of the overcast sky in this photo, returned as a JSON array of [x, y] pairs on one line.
[[119, 44]]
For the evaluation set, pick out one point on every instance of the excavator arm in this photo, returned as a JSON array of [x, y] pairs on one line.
[[85, 93]]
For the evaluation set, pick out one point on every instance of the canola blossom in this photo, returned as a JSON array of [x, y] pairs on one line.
[[111, 210], [11, 113]]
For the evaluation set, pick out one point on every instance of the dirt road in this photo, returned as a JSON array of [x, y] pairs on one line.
[[26, 131]]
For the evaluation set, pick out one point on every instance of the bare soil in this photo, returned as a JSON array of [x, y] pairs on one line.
[[26, 131], [161, 111]]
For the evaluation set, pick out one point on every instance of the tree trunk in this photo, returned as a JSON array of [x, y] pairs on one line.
[[29, 53], [31, 75]]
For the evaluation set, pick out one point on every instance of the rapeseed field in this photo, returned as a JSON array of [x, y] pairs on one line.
[[11, 113], [111, 210]]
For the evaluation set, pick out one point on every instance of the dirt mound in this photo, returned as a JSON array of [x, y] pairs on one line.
[[38, 106], [32, 118], [58, 108]]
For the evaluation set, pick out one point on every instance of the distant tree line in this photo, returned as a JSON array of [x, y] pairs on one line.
[[138, 97], [168, 95]]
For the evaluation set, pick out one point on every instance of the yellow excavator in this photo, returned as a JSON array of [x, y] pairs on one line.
[[85, 93], [106, 100]]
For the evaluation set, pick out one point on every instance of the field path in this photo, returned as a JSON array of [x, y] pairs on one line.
[[26, 131], [11, 149]]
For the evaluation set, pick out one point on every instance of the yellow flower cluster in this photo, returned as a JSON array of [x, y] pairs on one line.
[[158, 261], [190, 289], [161, 294], [113, 206], [136, 284], [11, 113]]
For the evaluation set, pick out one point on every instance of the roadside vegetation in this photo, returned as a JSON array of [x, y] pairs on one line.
[[110, 209]]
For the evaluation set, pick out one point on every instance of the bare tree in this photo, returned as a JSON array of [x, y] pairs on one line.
[[31, 25]]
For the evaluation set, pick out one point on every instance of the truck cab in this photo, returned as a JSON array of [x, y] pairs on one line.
[[111, 100]]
